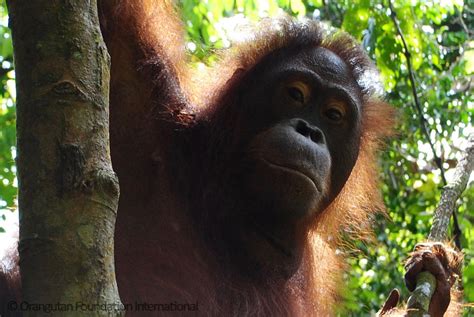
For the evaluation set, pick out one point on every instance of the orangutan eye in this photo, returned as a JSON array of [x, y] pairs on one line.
[[334, 111], [298, 92]]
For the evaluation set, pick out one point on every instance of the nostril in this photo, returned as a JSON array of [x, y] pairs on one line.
[[315, 134], [303, 128]]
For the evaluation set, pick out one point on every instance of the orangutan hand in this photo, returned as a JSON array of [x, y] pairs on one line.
[[444, 263]]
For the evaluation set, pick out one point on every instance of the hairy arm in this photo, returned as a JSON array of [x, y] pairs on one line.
[[145, 41]]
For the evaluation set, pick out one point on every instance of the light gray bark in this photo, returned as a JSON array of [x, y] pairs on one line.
[[68, 192], [420, 299]]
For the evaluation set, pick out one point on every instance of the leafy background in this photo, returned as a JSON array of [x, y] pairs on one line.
[[439, 35]]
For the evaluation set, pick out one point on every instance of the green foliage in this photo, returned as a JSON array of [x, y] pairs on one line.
[[441, 52], [8, 190], [206, 20], [442, 56], [439, 37]]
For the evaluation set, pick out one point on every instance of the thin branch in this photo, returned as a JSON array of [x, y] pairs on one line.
[[451, 193], [419, 301], [423, 121], [463, 24]]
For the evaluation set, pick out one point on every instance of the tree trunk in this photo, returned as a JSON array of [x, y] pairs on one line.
[[68, 192]]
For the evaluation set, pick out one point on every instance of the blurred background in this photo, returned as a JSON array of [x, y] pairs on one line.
[[416, 163]]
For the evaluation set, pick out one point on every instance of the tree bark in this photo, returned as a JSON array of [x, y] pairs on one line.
[[68, 192], [451, 194], [419, 301]]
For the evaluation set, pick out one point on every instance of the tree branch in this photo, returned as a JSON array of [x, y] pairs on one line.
[[451, 193], [423, 122], [420, 299]]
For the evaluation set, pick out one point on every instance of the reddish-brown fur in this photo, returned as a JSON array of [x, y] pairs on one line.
[[150, 79], [155, 93], [155, 96]]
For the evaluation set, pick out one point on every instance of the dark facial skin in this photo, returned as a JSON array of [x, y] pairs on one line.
[[315, 109], [299, 138]]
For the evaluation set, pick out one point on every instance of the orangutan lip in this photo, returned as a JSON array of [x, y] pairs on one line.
[[293, 170]]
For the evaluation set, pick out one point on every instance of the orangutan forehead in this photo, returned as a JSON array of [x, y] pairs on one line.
[[330, 69], [330, 66]]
